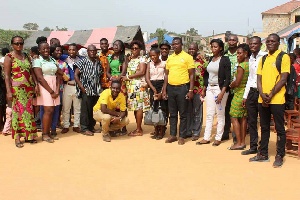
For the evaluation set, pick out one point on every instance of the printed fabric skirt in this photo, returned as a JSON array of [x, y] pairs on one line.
[[23, 123], [236, 109], [45, 98], [137, 98]]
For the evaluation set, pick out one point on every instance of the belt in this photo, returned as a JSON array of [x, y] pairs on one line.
[[179, 85], [72, 84], [213, 84], [253, 89]]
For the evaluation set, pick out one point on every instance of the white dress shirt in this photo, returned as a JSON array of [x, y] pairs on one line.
[[253, 63]]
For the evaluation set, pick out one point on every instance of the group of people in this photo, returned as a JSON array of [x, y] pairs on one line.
[[236, 84]]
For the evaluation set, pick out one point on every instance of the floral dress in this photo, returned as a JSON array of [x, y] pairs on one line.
[[23, 123], [201, 65], [137, 88]]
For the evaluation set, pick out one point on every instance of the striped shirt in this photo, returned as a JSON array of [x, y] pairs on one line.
[[90, 74]]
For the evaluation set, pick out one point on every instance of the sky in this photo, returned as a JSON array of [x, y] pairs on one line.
[[206, 16]]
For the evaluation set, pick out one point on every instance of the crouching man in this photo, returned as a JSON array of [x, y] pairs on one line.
[[110, 110]]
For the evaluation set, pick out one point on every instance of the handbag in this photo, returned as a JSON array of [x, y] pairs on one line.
[[155, 118]]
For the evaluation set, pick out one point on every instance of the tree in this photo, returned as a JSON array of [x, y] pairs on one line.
[[160, 34], [46, 29], [192, 32], [61, 29], [31, 26]]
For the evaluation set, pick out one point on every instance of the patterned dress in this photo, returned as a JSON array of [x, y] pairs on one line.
[[236, 108], [23, 124], [137, 88]]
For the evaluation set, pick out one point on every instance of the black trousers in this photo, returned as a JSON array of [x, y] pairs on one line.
[[195, 116], [252, 110], [277, 110], [227, 117], [87, 122], [163, 103], [178, 103]]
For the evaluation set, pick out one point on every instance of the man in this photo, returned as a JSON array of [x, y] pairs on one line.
[[87, 76], [69, 93], [104, 61], [270, 85], [179, 83], [232, 55], [251, 93], [195, 106], [110, 110], [164, 50]]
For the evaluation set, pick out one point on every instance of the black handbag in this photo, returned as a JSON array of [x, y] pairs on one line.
[[155, 118]]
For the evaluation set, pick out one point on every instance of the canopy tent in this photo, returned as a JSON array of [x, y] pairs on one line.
[[155, 41], [87, 37], [290, 38]]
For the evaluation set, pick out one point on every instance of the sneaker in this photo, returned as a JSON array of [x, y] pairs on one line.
[[278, 161], [106, 138], [259, 158], [249, 151]]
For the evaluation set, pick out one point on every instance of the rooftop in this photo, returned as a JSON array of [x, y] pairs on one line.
[[284, 8]]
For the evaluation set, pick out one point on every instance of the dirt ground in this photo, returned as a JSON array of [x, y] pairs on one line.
[[79, 167]]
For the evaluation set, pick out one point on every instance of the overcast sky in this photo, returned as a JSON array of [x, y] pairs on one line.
[[240, 17]]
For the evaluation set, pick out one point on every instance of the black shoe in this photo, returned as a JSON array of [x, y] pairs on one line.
[[225, 138], [278, 161], [187, 136], [249, 151], [259, 158]]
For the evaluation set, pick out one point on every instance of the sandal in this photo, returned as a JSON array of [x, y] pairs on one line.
[[54, 137], [135, 133], [236, 148], [6, 134], [33, 141], [19, 144], [47, 139]]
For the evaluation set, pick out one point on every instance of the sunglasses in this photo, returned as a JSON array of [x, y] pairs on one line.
[[135, 48], [18, 43], [164, 48]]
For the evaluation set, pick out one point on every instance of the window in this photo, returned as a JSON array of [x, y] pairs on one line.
[[297, 18]]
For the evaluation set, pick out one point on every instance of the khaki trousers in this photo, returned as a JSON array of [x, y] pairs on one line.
[[105, 121]]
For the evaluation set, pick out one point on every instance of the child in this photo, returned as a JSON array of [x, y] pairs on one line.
[[7, 126]]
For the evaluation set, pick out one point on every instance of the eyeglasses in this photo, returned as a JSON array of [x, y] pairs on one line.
[[135, 48], [18, 43]]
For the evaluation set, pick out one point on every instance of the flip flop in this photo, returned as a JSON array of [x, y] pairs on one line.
[[19, 144]]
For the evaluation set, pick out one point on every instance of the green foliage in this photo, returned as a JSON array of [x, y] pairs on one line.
[[6, 35], [192, 32], [46, 29], [159, 33], [31, 26]]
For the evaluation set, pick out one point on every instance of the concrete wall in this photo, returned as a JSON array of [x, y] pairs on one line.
[[275, 23]]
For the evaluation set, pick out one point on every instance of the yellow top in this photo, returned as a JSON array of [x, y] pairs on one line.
[[178, 66], [106, 98], [271, 76]]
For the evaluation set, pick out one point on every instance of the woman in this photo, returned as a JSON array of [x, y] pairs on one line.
[[19, 81], [117, 68], [4, 51], [137, 99], [46, 72], [237, 112], [118, 64], [155, 75], [56, 52], [216, 87]]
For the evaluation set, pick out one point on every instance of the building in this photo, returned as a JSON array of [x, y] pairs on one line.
[[280, 17], [223, 37]]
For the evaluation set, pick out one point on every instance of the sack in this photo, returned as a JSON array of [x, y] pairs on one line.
[[155, 118]]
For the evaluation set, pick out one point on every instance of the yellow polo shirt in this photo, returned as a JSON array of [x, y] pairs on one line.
[[106, 98], [271, 76], [178, 66]]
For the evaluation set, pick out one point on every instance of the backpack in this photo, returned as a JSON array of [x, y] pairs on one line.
[[291, 79]]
